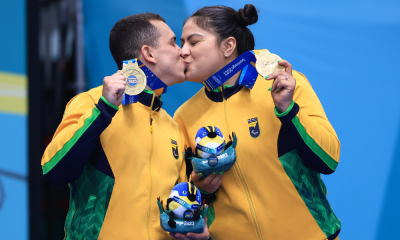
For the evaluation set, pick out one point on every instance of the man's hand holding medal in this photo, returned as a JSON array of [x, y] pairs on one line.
[[114, 87]]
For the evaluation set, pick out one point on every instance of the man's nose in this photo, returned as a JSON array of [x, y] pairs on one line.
[[184, 51]]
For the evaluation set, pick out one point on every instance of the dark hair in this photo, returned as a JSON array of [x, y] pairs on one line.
[[129, 35], [226, 22]]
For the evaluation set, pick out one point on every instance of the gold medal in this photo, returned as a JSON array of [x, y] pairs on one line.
[[136, 80], [267, 62]]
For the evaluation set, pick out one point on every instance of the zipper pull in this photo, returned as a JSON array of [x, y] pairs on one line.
[[222, 92], [151, 124]]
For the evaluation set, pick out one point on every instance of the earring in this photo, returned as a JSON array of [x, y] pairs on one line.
[[226, 55]]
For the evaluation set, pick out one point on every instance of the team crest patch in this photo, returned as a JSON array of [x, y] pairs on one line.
[[254, 127], [175, 151]]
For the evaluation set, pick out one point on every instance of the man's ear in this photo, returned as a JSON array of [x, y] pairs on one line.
[[228, 46], [147, 54]]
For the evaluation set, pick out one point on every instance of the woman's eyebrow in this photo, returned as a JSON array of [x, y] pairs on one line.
[[194, 34]]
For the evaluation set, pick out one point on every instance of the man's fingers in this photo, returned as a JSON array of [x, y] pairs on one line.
[[287, 65], [117, 76], [179, 236], [118, 73], [196, 236], [118, 87], [200, 236], [195, 177], [216, 179], [219, 183], [207, 180]]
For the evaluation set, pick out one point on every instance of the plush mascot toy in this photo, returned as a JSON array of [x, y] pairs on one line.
[[209, 141], [184, 210], [212, 154]]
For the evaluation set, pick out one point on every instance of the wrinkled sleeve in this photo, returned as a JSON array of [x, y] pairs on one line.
[[308, 128], [75, 138]]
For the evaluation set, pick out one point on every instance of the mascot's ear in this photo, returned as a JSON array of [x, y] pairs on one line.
[[189, 153], [192, 192]]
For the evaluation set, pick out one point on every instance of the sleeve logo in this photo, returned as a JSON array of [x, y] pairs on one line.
[[254, 127], [175, 151]]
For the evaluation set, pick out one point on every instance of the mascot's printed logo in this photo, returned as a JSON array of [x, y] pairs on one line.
[[175, 151], [254, 127], [188, 215]]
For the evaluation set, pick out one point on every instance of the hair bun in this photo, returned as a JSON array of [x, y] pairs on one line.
[[248, 15]]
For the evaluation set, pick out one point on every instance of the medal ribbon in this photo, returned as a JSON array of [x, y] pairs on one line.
[[185, 204], [153, 82], [248, 76]]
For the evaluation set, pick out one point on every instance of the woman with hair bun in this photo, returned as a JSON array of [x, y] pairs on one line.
[[285, 141]]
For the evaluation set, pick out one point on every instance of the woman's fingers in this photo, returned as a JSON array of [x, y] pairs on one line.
[[287, 65], [276, 74], [277, 80], [279, 86]]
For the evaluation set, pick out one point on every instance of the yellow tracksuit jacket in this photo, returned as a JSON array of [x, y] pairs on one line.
[[115, 166], [274, 190]]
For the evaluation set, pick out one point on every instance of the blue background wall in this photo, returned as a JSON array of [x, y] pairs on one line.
[[13, 122], [349, 51]]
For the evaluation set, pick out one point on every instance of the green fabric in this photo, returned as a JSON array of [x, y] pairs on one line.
[[285, 112], [203, 191], [151, 92], [309, 184], [328, 160], [210, 216], [68, 145], [109, 104], [148, 91], [90, 196], [86, 216], [224, 86]]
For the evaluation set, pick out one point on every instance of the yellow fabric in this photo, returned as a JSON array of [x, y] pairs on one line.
[[313, 117], [77, 111], [13, 93], [257, 200], [142, 162]]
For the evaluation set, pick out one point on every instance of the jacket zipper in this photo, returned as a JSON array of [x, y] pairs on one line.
[[151, 183], [241, 178]]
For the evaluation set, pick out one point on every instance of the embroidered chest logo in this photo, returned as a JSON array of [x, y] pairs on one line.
[[254, 127], [175, 151]]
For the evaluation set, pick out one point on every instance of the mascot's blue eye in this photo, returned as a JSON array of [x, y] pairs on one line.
[[204, 133], [184, 192]]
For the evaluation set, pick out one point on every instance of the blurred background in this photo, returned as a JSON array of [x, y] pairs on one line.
[[51, 50]]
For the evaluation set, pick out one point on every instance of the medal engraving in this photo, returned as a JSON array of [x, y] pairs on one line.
[[135, 78], [267, 63]]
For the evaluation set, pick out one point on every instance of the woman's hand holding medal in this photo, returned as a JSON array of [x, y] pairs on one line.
[[283, 87], [114, 87]]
